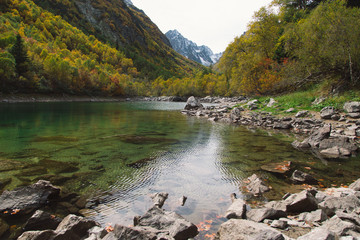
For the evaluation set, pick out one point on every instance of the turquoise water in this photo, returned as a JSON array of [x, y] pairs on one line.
[[120, 153]]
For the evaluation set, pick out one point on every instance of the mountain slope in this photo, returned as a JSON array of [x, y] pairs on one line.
[[127, 28], [201, 54]]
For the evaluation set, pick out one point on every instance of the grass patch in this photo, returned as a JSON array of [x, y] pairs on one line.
[[303, 100]]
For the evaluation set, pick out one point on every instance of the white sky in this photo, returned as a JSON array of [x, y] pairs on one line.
[[214, 23]]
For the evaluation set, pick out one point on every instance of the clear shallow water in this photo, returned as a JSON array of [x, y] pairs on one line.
[[120, 153]]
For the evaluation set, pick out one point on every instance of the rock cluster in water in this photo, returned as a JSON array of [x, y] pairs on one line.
[[330, 136], [25, 203]]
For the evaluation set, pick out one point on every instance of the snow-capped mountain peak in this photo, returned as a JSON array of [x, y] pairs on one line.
[[201, 54]]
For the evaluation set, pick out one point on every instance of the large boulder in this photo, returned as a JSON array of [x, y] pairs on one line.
[[315, 216], [338, 226], [247, 230], [26, 199], [319, 135], [177, 226], [193, 104], [352, 107]]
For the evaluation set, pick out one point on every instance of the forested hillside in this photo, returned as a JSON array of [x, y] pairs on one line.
[[108, 47], [39, 51]]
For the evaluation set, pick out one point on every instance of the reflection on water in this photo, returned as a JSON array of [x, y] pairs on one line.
[[120, 153]]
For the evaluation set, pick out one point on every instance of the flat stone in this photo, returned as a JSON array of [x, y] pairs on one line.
[[315, 216], [260, 214], [277, 167], [319, 234], [247, 230], [302, 114]]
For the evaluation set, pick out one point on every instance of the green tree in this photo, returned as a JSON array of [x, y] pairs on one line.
[[19, 52]]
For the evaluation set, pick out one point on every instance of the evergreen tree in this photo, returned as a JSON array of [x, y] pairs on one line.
[[19, 52]]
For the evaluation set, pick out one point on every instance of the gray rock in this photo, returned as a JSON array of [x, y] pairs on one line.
[[333, 152], [271, 103], [327, 112], [301, 202], [282, 125], [235, 114], [299, 177], [27, 199], [318, 100], [338, 226], [279, 224], [257, 186], [96, 233], [300, 145], [302, 114], [354, 115], [171, 222], [260, 214], [41, 220], [134, 233], [159, 199], [355, 185], [74, 227], [318, 136], [247, 230], [236, 210], [340, 142], [352, 107], [315, 216], [346, 204], [38, 235], [290, 110], [193, 104], [319, 234], [350, 217], [336, 117]]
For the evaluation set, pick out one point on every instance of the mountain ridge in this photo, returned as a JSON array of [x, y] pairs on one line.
[[201, 54]]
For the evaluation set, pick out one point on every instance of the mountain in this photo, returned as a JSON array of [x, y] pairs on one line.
[[201, 54], [121, 24]]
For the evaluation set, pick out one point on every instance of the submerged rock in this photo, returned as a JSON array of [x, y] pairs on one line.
[[277, 167], [299, 177]]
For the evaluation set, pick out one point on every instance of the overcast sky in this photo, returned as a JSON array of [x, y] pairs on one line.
[[214, 23]]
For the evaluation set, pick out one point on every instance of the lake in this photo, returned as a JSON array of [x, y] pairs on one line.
[[119, 153]]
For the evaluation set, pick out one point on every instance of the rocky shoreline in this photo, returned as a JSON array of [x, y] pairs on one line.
[[329, 134], [310, 214]]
